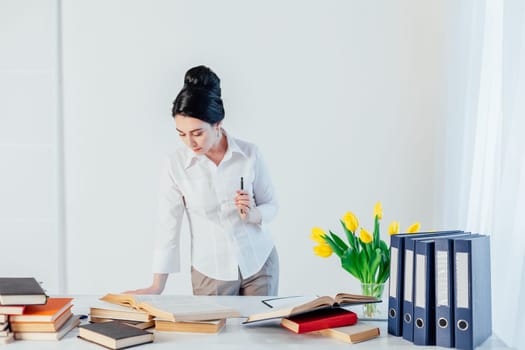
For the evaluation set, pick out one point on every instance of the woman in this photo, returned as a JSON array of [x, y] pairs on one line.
[[223, 186]]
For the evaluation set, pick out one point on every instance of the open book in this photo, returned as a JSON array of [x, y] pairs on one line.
[[341, 299], [180, 308]]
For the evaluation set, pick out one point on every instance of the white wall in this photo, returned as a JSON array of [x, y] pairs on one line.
[[30, 233], [345, 100]]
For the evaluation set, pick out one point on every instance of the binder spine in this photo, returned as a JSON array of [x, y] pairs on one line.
[[463, 310], [395, 296], [408, 305], [424, 298], [444, 293]]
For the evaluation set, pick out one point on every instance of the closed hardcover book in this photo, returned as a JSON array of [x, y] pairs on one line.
[[119, 313], [53, 326], [71, 323], [356, 333], [137, 324], [21, 291], [211, 326], [12, 310], [44, 313], [114, 335], [319, 319]]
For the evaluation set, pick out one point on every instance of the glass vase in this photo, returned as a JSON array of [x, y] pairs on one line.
[[375, 311]]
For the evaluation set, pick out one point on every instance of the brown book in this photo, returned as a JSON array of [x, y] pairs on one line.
[[351, 334], [71, 323], [138, 324], [181, 309], [211, 326], [42, 326], [114, 335], [318, 303], [44, 313]]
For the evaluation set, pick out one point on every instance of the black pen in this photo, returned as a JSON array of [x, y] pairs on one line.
[[242, 188]]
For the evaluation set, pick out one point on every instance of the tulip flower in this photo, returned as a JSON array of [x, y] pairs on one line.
[[323, 250], [317, 235], [378, 211], [365, 236], [351, 222], [363, 254], [413, 228], [393, 228]]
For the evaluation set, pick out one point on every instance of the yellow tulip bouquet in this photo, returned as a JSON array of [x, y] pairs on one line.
[[366, 256]]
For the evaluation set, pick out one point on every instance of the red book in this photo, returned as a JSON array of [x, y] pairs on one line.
[[319, 319]]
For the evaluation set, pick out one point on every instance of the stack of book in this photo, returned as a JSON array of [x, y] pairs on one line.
[[27, 313], [6, 336], [440, 292], [120, 320], [51, 321]]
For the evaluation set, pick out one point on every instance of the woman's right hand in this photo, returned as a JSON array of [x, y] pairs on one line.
[[148, 290], [157, 286]]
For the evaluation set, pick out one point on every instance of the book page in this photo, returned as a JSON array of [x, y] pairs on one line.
[[184, 308], [355, 299], [288, 302]]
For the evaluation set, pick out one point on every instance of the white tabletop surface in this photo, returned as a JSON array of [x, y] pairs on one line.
[[267, 335]]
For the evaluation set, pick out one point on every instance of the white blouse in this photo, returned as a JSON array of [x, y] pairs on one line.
[[221, 242]]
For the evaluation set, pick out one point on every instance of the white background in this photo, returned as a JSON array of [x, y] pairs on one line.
[[346, 99]]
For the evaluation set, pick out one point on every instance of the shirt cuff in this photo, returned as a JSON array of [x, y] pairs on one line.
[[254, 216]]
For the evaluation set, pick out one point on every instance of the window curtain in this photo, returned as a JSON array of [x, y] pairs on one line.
[[485, 169]]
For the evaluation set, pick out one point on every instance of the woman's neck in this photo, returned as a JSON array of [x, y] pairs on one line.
[[217, 152]]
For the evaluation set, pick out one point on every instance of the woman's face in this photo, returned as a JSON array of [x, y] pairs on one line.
[[198, 135]]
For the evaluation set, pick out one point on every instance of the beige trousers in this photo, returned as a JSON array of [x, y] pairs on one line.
[[264, 282]]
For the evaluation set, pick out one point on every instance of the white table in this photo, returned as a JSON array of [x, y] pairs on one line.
[[268, 335]]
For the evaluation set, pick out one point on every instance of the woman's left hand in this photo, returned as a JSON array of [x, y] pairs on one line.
[[242, 202]]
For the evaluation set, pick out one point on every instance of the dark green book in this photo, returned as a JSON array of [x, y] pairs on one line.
[[114, 335], [21, 291]]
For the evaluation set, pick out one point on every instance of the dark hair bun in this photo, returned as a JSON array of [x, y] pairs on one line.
[[202, 77], [200, 97]]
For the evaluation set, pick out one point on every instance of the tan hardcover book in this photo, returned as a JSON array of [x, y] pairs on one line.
[[138, 324], [119, 313], [73, 322], [351, 334], [211, 326], [318, 303], [42, 326], [179, 309]]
